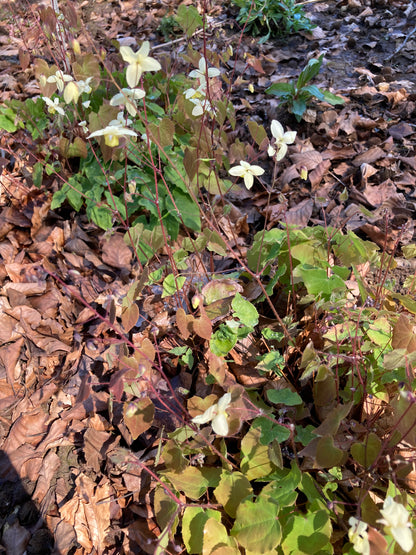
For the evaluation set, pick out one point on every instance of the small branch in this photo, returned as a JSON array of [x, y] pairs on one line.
[[412, 32]]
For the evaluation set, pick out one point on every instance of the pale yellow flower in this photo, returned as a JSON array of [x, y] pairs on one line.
[[128, 98], [138, 63], [396, 522], [112, 133], [53, 105], [60, 78], [281, 139], [202, 72], [358, 536], [216, 414], [247, 171]]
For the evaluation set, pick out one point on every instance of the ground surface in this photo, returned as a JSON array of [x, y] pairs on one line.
[[56, 430]]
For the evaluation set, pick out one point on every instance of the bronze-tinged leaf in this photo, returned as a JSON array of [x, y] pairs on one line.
[[182, 322], [129, 317], [327, 455], [138, 416], [404, 334], [202, 327]]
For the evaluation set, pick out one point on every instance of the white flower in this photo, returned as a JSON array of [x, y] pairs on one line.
[[216, 415], [138, 63], [120, 120], [113, 132], [358, 536], [71, 92], [83, 125], [53, 105], [201, 73], [60, 78], [281, 140], [396, 522], [128, 98], [247, 171], [197, 97]]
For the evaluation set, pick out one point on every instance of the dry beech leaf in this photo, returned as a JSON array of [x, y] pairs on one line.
[[116, 253]]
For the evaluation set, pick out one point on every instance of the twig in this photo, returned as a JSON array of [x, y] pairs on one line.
[[412, 32]]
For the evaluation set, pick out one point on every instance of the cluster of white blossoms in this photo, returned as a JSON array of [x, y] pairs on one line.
[[277, 149], [71, 90], [396, 524], [198, 96]]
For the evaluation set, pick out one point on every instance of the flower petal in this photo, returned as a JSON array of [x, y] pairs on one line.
[[150, 64], [237, 171], [281, 152], [144, 49], [224, 402], [256, 170], [133, 74], [277, 129], [128, 55], [403, 537], [220, 424], [289, 137], [248, 180], [207, 416]]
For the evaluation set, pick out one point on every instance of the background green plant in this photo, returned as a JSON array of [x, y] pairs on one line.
[[276, 18], [296, 95]]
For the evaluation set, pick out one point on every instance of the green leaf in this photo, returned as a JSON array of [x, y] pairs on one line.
[[255, 462], [307, 534], [245, 311], [327, 454], [256, 526], [37, 174], [284, 484], [165, 508], [284, 397], [232, 489], [59, 197], [270, 430], [332, 99], [309, 72], [190, 481], [216, 540], [313, 90], [193, 523], [257, 132], [282, 89], [172, 284], [189, 19], [7, 121], [101, 216], [223, 340], [298, 108], [366, 453], [317, 281]]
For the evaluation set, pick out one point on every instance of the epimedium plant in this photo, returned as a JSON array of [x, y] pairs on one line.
[[230, 478]]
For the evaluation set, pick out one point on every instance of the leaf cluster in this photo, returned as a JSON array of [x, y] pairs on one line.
[[296, 95]]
